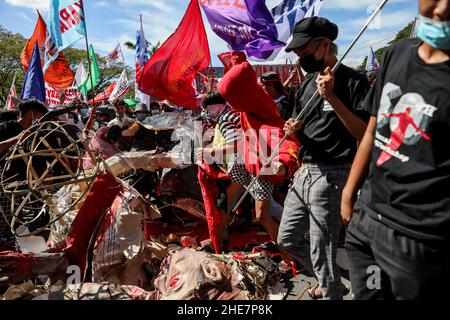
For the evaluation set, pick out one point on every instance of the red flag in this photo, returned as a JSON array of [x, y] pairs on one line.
[[58, 75], [104, 96], [171, 70]]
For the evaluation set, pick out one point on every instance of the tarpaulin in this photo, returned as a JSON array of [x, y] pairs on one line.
[[98, 201]]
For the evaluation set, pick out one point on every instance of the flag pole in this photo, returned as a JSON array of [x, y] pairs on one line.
[[91, 117], [121, 52], [309, 104], [413, 29], [88, 56]]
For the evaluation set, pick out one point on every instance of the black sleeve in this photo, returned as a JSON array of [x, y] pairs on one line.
[[5, 133], [360, 91], [370, 104]]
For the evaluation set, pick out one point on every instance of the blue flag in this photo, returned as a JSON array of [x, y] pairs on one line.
[[65, 26], [33, 84], [142, 57], [372, 61]]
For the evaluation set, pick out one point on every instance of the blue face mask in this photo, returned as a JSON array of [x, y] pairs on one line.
[[84, 112], [435, 33], [141, 117]]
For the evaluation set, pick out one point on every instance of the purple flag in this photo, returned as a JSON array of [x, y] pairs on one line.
[[246, 25]]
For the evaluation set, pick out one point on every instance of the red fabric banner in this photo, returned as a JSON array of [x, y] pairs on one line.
[[171, 70], [207, 178], [58, 75]]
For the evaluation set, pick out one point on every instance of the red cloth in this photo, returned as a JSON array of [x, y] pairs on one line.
[[58, 75], [100, 198], [229, 59], [104, 96], [16, 263], [170, 72], [261, 122], [207, 177]]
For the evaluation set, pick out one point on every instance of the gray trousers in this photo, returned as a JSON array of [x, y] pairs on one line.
[[313, 204]]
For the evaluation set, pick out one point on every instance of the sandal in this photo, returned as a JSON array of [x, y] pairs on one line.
[[313, 291]]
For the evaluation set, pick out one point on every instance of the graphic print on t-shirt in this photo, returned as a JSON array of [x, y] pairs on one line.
[[408, 122]]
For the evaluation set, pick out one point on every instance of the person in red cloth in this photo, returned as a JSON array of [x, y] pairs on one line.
[[227, 134], [262, 131]]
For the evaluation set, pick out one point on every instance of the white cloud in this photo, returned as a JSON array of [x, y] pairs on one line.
[[157, 4], [392, 20], [103, 4], [32, 4], [25, 17], [355, 4]]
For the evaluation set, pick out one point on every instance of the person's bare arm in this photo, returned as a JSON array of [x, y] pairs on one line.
[[359, 171], [289, 79], [354, 124], [6, 144]]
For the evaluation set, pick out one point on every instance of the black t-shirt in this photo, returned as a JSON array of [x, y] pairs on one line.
[[8, 130], [323, 136], [408, 187], [285, 107]]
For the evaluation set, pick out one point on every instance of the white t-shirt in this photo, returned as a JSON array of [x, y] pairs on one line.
[[119, 122]]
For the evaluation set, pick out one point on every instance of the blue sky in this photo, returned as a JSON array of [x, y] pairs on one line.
[[117, 20]]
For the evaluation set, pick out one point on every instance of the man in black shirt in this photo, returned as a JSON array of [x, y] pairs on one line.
[[398, 240], [271, 82], [328, 133], [30, 110]]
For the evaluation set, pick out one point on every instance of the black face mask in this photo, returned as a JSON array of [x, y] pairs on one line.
[[311, 65]]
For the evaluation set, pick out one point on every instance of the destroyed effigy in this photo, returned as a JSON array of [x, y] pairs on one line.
[[180, 189], [190, 274], [97, 220], [126, 162], [81, 291], [46, 158], [161, 272], [196, 275], [17, 267]]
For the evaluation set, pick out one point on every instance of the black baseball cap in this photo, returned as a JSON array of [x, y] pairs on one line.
[[270, 77], [32, 104], [311, 28]]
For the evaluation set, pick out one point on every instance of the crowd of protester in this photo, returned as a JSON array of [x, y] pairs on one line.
[[375, 162]]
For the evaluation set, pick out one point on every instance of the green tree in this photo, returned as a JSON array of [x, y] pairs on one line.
[[132, 46], [402, 34], [11, 46]]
